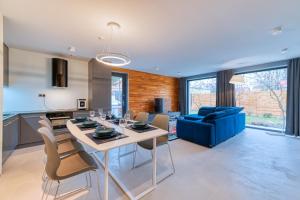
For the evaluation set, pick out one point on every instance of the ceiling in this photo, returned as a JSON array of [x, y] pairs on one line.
[[164, 37]]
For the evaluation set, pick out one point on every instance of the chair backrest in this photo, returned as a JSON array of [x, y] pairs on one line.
[[142, 117], [43, 117], [162, 122], [44, 123], [53, 160], [130, 112]]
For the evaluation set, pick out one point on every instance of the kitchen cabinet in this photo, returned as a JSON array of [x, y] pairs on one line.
[[99, 86], [28, 129], [10, 136]]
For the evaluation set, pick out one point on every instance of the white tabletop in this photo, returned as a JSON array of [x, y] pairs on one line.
[[133, 136]]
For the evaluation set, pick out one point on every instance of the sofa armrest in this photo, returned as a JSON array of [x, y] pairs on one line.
[[196, 131]]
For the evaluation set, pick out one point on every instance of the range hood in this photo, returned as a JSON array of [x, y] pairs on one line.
[[59, 72]]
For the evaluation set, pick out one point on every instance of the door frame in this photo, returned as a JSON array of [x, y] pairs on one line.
[[124, 77]]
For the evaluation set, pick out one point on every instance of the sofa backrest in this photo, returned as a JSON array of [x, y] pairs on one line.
[[223, 112], [203, 111]]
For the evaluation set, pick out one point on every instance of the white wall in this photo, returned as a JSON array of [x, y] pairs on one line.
[[1, 87], [30, 74]]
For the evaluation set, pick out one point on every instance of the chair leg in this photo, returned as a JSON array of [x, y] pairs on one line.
[[134, 155], [56, 192], [45, 188], [98, 184], [49, 189], [173, 166]]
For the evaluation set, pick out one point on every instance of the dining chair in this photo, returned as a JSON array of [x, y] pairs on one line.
[[58, 168], [142, 117], [130, 113], [162, 122], [62, 136]]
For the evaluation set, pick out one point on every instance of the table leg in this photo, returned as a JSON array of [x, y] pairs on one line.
[[154, 163], [106, 168]]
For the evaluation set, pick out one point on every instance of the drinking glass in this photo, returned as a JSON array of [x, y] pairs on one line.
[[92, 114], [122, 122]]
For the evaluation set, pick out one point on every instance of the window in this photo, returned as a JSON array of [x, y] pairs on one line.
[[201, 93], [263, 97]]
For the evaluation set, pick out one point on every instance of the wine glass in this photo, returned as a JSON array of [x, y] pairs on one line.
[[92, 114], [100, 111], [109, 114]]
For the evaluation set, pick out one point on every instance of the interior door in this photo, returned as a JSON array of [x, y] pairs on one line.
[[119, 94]]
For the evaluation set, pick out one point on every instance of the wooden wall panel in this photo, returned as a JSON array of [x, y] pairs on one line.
[[144, 87]]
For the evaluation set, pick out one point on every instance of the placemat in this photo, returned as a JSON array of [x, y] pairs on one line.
[[151, 128], [101, 141], [74, 121], [82, 128]]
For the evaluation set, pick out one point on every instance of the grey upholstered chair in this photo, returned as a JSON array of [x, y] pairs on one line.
[[142, 117], [60, 137], [58, 168], [130, 113], [162, 122]]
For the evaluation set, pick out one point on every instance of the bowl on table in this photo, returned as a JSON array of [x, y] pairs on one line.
[[89, 124], [104, 133]]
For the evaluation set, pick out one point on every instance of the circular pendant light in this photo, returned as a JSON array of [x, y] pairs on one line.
[[113, 58]]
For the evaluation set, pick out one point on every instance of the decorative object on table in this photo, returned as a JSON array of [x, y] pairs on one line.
[[100, 111]]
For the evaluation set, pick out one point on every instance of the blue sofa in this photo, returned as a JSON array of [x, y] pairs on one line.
[[212, 125]]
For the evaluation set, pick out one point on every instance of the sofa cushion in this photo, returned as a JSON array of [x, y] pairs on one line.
[[214, 115], [203, 111], [193, 117]]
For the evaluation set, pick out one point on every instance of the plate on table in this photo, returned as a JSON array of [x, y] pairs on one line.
[[80, 119], [140, 125], [89, 124]]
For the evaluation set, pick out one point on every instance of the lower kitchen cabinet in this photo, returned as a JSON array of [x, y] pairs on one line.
[[10, 136], [28, 129]]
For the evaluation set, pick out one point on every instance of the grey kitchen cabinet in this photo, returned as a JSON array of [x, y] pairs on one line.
[[10, 136], [28, 129], [99, 86]]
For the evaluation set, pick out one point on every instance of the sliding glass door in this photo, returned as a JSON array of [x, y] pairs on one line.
[[119, 94], [201, 93], [263, 97]]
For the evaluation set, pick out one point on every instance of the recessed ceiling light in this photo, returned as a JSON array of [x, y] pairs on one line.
[[72, 49], [283, 51], [276, 30]]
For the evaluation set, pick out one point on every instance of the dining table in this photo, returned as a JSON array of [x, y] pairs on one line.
[[129, 136]]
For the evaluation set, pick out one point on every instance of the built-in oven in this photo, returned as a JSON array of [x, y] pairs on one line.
[[59, 119]]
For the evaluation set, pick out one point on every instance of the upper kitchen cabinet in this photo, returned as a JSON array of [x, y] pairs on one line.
[[99, 85], [5, 65]]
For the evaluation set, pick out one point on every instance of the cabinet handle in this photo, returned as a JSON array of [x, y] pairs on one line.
[[29, 117]]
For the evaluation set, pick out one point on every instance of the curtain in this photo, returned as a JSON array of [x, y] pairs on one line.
[[293, 100], [183, 96], [225, 90]]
